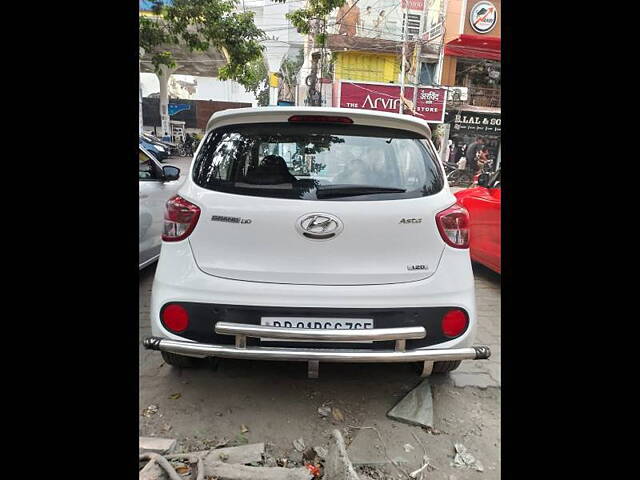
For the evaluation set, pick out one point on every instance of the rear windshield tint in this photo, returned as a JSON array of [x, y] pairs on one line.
[[318, 162]]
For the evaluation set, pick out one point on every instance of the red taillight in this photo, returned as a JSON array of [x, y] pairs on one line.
[[453, 224], [319, 119], [175, 318], [454, 323], [180, 218]]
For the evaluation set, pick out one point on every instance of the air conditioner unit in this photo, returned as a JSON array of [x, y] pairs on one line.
[[414, 25], [457, 94]]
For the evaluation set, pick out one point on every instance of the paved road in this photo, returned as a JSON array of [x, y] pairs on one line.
[[278, 404]]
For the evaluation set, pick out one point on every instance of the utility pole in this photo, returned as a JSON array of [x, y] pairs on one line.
[[441, 51], [140, 122], [404, 49], [313, 95], [165, 120]]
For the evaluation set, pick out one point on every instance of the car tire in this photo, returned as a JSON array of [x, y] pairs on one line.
[[444, 367], [438, 367], [179, 360]]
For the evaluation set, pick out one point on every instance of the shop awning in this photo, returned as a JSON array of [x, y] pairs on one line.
[[474, 46]]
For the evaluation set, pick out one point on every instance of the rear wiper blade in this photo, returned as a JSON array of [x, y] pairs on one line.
[[328, 191]]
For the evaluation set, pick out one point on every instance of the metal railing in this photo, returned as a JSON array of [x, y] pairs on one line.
[[484, 97]]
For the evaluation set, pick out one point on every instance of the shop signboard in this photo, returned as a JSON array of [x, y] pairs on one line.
[[413, 4], [147, 5], [482, 18], [475, 123], [178, 107], [383, 19], [429, 105]]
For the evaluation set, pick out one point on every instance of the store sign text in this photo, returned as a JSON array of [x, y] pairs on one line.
[[429, 101], [478, 120], [413, 4], [477, 123]]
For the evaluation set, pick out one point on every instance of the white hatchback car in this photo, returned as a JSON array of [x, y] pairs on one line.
[[156, 184], [316, 235]]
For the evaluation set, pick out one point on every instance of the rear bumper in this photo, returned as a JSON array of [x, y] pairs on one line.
[[299, 354], [240, 350], [211, 300]]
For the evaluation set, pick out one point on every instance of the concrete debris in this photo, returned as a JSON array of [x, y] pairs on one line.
[[230, 471], [415, 473], [337, 414], [159, 467], [366, 449], [408, 447], [243, 454], [309, 455], [416, 408], [337, 465], [324, 411], [227, 471], [299, 444], [321, 451], [152, 471], [463, 459], [150, 410], [480, 380], [157, 445]]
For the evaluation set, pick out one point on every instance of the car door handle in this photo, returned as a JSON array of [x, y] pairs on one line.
[[143, 196]]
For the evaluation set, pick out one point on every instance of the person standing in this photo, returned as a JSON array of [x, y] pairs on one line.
[[188, 143], [483, 157], [367, 24], [471, 152], [448, 152], [380, 25]]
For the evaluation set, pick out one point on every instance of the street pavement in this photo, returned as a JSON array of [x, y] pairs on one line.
[[278, 404]]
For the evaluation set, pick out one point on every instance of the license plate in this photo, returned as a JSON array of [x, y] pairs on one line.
[[316, 323]]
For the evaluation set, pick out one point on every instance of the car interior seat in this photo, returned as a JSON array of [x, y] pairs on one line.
[[272, 171]]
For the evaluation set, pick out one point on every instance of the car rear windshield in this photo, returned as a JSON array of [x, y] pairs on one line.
[[317, 162]]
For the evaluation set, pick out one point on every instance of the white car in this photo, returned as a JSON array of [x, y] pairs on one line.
[[316, 235], [156, 184]]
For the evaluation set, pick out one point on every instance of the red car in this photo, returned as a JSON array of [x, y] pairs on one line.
[[483, 204]]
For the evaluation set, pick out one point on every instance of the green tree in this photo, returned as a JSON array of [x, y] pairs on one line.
[[312, 19], [203, 24], [262, 90], [290, 68], [303, 18]]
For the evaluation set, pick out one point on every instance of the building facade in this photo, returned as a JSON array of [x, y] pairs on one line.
[[471, 70], [365, 40]]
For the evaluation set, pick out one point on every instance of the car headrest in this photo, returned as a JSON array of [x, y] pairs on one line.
[[272, 170], [274, 161]]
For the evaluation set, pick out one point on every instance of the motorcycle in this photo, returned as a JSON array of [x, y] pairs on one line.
[[487, 167], [462, 177], [459, 176], [186, 150], [449, 167]]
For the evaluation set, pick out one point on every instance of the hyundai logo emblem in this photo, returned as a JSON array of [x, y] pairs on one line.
[[319, 226]]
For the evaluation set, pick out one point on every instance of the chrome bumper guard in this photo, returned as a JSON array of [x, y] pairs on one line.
[[242, 331]]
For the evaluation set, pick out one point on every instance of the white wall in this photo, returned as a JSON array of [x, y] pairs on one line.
[[208, 88], [270, 17]]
